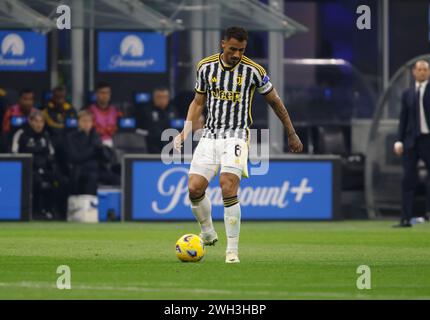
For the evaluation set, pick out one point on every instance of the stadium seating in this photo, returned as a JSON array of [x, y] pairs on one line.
[[129, 142], [331, 140]]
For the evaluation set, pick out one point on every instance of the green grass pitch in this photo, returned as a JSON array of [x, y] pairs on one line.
[[279, 260]]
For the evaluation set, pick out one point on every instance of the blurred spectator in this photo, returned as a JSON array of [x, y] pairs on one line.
[[60, 118], [3, 104], [89, 157], [156, 117], [23, 108], [48, 186], [182, 100], [105, 115], [58, 112]]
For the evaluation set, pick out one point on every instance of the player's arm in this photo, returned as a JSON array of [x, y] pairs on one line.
[[194, 112], [278, 107], [398, 145]]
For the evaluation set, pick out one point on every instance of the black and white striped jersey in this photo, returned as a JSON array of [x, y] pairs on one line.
[[229, 93]]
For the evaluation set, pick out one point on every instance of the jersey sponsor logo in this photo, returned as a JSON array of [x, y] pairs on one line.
[[214, 79], [226, 95]]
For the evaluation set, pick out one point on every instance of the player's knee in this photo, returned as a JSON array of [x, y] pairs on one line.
[[229, 186], [195, 190]]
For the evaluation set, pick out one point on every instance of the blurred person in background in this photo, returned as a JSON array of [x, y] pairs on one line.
[[3, 104], [89, 157], [105, 114], [49, 189], [414, 139], [23, 108], [57, 112], [60, 118], [156, 117]]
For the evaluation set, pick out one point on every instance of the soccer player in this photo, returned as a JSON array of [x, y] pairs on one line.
[[225, 85]]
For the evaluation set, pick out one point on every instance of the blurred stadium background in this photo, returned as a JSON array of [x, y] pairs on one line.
[[341, 86]]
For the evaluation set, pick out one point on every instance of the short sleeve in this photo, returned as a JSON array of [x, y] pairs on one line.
[[200, 81], [263, 84]]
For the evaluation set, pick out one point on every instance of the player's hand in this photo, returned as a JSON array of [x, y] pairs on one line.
[[398, 148], [294, 143], [177, 142]]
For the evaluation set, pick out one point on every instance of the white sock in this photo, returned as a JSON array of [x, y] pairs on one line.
[[232, 215], [202, 211]]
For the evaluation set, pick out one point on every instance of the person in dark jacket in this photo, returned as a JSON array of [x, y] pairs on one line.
[[60, 117], [414, 139], [48, 186], [88, 156], [3, 104], [155, 118]]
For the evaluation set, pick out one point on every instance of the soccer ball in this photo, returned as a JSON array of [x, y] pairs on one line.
[[190, 248]]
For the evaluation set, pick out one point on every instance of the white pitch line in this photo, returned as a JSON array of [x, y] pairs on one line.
[[41, 285]]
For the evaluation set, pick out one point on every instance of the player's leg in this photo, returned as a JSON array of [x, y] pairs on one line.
[[232, 213], [201, 207], [202, 170], [409, 183], [234, 160], [424, 153]]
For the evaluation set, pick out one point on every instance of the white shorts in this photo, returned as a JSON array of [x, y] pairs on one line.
[[229, 153]]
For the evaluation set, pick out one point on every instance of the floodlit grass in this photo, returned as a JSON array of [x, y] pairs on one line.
[[279, 260]]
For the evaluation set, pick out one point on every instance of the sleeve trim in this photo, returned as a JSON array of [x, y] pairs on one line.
[[265, 93]]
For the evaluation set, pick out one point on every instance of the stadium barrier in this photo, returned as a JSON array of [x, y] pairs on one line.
[[15, 187], [296, 187]]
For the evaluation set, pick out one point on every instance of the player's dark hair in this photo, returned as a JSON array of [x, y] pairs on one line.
[[102, 84], [238, 33], [25, 91]]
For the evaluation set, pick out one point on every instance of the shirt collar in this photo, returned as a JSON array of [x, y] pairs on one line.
[[224, 67], [422, 84]]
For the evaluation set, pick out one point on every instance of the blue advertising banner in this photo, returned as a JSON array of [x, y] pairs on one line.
[[22, 51], [301, 190], [131, 52], [10, 190]]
